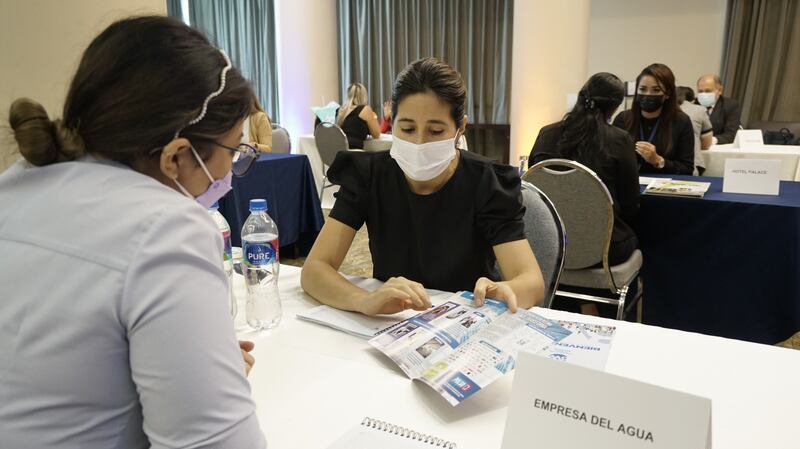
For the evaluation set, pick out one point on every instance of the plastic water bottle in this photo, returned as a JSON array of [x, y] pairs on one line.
[[261, 267], [227, 256]]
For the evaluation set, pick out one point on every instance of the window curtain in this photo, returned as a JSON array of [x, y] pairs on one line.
[[174, 9], [378, 38], [760, 66], [245, 29]]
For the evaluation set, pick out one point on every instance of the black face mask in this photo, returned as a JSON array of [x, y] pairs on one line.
[[650, 103]]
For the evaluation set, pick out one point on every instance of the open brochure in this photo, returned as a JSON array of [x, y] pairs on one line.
[[457, 349], [677, 188]]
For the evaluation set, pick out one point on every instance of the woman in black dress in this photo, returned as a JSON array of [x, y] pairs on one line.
[[356, 117], [585, 136], [663, 133], [438, 217]]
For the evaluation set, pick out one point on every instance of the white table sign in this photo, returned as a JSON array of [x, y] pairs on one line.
[[556, 405], [754, 176], [749, 139]]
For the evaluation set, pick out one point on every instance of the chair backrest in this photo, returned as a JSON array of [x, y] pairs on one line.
[[281, 142], [330, 139], [585, 207], [545, 233]]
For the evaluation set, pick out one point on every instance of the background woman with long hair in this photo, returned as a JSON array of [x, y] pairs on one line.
[[663, 133], [585, 136], [356, 117]]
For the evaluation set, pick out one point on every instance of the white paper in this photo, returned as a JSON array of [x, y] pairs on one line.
[[366, 437], [563, 406], [644, 180], [353, 323], [753, 176]]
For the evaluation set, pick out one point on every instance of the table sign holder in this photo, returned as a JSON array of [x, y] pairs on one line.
[[752, 176], [749, 139], [557, 405]]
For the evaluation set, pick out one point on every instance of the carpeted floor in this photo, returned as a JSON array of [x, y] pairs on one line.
[[358, 262]]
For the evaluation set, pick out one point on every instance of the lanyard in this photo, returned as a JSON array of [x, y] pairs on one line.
[[652, 133]]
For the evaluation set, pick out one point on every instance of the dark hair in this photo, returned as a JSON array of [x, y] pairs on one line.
[[685, 93], [666, 80], [139, 81], [432, 75], [585, 129]]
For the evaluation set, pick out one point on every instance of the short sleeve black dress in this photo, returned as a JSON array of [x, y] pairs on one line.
[[443, 240]]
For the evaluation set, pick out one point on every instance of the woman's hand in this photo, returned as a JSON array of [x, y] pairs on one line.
[[396, 295], [648, 152], [247, 346], [495, 290]]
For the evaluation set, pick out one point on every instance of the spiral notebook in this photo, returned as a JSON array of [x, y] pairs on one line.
[[376, 434]]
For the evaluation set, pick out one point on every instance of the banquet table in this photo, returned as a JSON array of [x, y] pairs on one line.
[[726, 264], [789, 155], [286, 182], [312, 383]]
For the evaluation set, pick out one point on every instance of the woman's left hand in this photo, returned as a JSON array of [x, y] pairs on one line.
[[648, 152], [495, 290]]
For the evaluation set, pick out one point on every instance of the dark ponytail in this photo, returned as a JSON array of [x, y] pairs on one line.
[[586, 129], [139, 81]]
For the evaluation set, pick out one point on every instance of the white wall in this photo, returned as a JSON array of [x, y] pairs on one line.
[[548, 62], [625, 36], [308, 61], [41, 42]]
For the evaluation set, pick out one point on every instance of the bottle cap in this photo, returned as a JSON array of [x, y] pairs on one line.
[[258, 204]]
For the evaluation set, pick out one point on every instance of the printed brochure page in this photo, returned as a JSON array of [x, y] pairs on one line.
[[458, 349]]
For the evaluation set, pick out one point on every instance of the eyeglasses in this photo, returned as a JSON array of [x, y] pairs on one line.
[[243, 157]]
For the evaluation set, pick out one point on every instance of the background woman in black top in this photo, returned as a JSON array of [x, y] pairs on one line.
[[663, 133], [438, 217], [356, 117], [586, 137]]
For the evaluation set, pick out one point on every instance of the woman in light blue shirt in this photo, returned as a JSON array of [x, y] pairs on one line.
[[114, 322]]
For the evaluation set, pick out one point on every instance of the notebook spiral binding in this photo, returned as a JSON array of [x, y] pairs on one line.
[[384, 426]]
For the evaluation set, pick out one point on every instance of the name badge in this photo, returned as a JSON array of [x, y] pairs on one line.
[[753, 176], [749, 139], [557, 405]]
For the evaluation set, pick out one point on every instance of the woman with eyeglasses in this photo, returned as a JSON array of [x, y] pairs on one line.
[[662, 133], [438, 217], [114, 322]]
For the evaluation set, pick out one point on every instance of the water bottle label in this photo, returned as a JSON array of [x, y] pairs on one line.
[[227, 254], [260, 253]]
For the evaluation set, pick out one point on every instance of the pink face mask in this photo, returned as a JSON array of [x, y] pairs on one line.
[[215, 191]]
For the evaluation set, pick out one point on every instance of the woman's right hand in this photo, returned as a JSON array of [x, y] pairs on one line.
[[396, 295]]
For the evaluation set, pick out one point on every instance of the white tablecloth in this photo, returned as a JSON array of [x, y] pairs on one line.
[[307, 146], [311, 383], [789, 155]]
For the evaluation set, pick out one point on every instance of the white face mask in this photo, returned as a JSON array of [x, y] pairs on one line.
[[423, 162], [707, 99]]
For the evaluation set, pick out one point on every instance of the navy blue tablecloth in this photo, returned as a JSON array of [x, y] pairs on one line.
[[726, 264], [287, 183]]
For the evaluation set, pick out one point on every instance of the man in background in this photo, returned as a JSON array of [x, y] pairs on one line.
[[701, 124], [724, 112]]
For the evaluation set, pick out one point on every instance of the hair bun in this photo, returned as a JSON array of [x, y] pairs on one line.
[[41, 141]]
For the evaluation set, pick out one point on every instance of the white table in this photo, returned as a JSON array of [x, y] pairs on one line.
[[311, 383], [789, 155], [306, 145]]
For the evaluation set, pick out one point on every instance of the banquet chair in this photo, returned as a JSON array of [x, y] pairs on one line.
[[545, 233], [281, 142], [330, 139], [587, 210]]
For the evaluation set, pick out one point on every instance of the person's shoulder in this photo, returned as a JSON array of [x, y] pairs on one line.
[[359, 164], [622, 118], [552, 130], [682, 118], [486, 168], [729, 102]]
